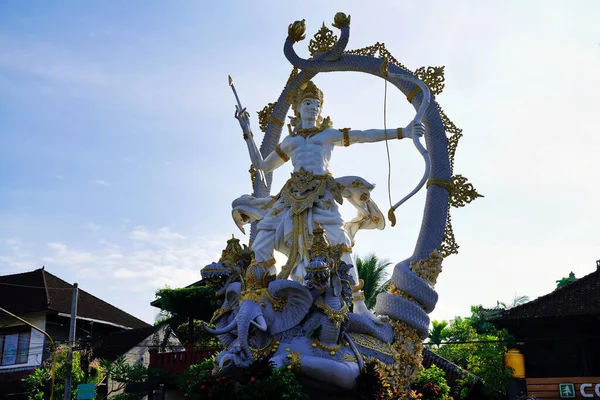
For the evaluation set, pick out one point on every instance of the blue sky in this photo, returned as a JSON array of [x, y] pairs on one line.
[[120, 156]]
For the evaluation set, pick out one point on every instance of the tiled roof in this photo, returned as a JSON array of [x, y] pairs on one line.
[[39, 290], [581, 297], [119, 343]]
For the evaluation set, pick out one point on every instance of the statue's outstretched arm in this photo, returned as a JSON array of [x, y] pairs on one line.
[[346, 137]]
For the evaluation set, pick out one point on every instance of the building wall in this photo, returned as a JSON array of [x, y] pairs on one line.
[[37, 340]]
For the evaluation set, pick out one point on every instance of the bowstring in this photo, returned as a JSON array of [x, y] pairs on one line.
[[387, 146]]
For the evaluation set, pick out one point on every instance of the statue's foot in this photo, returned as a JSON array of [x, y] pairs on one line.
[[361, 308]]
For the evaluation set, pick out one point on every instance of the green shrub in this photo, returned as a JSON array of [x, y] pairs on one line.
[[432, 384], [258, 382]]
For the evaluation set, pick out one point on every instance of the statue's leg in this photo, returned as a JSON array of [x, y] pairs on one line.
[[341, 374], [263, 249]]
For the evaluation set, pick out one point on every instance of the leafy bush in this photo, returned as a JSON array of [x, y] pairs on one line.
[[432, 384], [260, 381], [39, 382]]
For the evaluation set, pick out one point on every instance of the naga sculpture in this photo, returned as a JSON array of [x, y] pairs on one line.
[[301, 318]]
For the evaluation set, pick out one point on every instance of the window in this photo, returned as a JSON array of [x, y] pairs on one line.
[[14, 347]]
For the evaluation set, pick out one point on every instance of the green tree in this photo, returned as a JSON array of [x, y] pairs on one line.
[[179, 308], [438, 332], [373, 272], [120, 374], [566, 280], [479, 348]]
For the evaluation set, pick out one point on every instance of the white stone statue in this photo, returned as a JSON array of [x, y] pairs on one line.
[[311, 196]]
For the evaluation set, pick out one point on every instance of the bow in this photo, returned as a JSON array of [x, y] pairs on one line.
[[416, 140]]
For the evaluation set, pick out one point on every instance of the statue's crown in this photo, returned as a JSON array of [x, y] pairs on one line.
[[308, 91], [257, 276], [232, 253]]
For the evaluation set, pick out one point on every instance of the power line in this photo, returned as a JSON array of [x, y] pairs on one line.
[[35, 287]]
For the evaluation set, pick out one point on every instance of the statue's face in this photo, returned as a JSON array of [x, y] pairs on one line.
[[309, 109]]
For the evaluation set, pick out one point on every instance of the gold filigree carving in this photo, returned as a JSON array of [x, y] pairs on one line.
[[252, 172], [341, 20], [232, 252], [266, 350], [455, 135], [449, 245], [320, 244], [254, 295], [379, 50], [371, 343], [308, 132], [278, 303], [323, 41], [433, 78], [264, 116], [462, 192], [335, 316], [219, 313]]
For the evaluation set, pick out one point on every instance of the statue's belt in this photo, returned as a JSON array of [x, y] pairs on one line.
[[304, 189]]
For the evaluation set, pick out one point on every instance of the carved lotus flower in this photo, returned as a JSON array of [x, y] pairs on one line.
[[296, 31], [341, 20]]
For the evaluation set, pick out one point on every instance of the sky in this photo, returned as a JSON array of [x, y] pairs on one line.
[[120, 155]]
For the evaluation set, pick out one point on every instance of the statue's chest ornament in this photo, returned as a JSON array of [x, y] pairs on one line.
[[308, 132]]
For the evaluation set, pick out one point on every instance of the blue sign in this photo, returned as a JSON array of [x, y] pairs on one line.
[[86, 390]]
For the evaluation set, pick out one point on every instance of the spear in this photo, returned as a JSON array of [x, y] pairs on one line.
[[254, 152]]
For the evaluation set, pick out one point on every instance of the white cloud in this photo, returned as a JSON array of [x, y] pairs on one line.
[[149, 260], [157, 236], [48, 61], [100, 182], [59, 177], [92, 226]]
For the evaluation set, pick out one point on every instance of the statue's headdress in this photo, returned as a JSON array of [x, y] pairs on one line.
[[308, 91]]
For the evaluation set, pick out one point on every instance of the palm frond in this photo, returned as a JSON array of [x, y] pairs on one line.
[[373, 272]]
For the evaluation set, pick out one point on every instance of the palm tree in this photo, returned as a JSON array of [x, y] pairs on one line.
[[438, 332], [373, 272], [517, 301]]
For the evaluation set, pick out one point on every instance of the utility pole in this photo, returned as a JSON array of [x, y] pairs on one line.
[[69, 378]]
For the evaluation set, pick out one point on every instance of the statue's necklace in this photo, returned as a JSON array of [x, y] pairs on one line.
[[308, 132]]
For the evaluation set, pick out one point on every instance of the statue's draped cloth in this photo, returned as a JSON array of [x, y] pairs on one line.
[[286, 220]]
